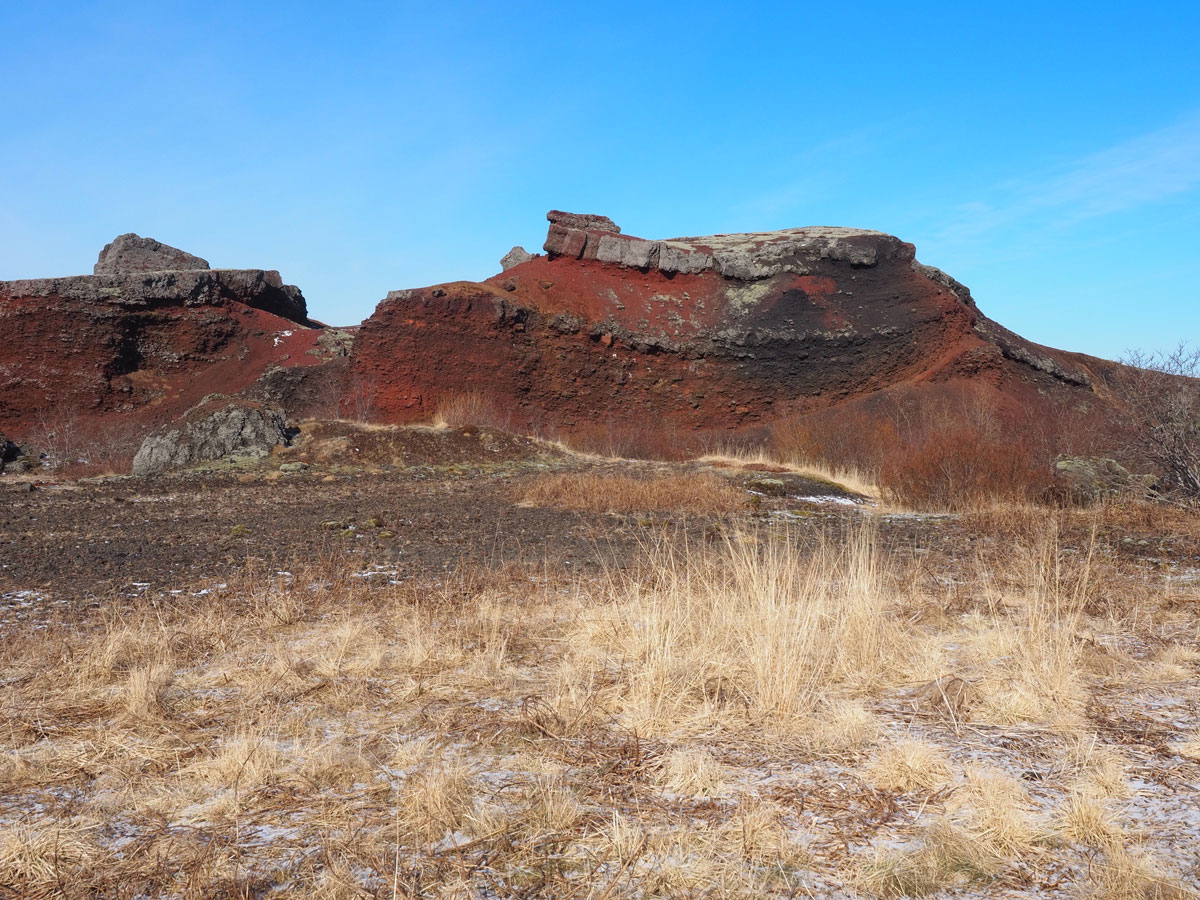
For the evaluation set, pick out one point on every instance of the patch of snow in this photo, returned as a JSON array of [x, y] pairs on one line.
[[830, 498]]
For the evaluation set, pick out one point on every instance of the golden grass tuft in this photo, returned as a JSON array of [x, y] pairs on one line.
[[748, 632], [692, 772], [1122, 874], [47, 859], [909, 765], [1087, 819]]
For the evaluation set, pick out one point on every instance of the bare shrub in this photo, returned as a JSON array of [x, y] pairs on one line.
[[964, 468], [1162, 397], [945, 447], [621, 440], [79, 447], [472, 409], [359, 399], [847, 438], [699, 494]]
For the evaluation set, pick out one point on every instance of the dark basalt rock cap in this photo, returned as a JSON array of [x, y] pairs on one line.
[[130, 253]]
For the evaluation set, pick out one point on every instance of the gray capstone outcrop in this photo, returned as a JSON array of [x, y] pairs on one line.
[[515, 257], [746, 257], [585, 221], [260, 288], [131, 253], [214, 429]]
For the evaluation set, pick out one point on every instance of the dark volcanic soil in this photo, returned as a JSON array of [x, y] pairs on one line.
[[63, 543]]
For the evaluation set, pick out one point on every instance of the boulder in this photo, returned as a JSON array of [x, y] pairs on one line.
[[130, 253], [23, 464], [515, 257], [8, 451], [584, 221], [217, 427], [1093, 477]]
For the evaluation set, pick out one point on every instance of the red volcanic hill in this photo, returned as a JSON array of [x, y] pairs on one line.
[[704, 333], [144, 338], [691, 336]]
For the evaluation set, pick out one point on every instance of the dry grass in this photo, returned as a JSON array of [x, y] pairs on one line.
[[734, 719], [909, 765], [759, 634], [856, 480], [700, 494]]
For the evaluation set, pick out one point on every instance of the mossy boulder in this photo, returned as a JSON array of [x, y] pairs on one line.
[[1093, 477], [216, 428]]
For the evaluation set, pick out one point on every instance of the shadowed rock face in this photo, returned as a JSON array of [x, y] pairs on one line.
[[718, 332], [149, 336]]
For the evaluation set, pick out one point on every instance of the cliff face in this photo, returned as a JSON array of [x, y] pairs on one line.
[[141, 339], [718, 332]]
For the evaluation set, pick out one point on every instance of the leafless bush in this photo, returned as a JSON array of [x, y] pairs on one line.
[[1162, 395], [75, 446], [359, 401], [472, 408]]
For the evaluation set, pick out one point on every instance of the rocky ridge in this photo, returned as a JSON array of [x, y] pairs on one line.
[[146, 337], [721, 332], [604, 330]]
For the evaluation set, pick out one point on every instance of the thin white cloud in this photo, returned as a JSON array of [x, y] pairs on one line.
[[1138, 172]]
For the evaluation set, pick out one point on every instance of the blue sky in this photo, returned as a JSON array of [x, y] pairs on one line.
[[1047, 155]]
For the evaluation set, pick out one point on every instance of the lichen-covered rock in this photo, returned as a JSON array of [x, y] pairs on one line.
[[582, 220], [747, 257], [130, 253], [23, 464], [1091, 478], [218, 427]]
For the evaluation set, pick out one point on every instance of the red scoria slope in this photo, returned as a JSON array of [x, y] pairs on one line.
[[145, 338], [720, 332]]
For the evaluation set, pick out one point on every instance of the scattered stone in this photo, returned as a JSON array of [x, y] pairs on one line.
[[515, 257], [23, 465], [292, 467], [130, 253], [217, 427]]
